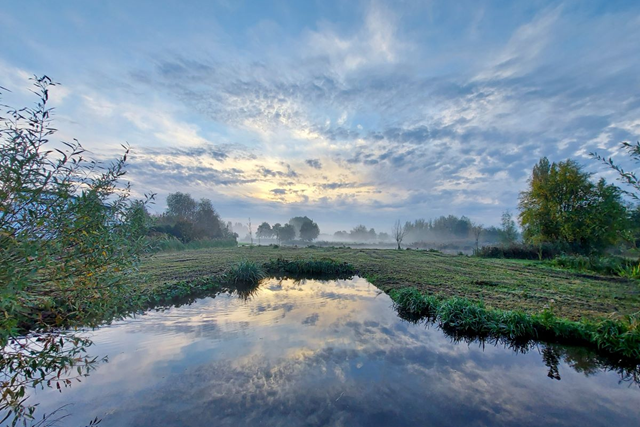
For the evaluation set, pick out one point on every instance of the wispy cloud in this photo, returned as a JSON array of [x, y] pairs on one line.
[[409, 109]]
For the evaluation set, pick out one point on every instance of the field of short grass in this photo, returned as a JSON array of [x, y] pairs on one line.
[[506, 284]]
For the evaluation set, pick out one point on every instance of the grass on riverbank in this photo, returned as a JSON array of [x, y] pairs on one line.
[[486, 298], [465, 317], [528, 286]]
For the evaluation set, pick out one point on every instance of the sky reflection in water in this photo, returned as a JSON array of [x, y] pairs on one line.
[[323, 353]]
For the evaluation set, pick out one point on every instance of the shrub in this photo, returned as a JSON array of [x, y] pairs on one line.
[[520, 251], [319, 267], [602, 265], [244, 272]]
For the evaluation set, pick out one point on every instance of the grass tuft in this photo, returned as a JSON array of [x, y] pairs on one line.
[[244, 273]]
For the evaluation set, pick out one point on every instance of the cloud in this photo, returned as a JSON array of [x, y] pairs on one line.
[[411, 109], [314, 163]]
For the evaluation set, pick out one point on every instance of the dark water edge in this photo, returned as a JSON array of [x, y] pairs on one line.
[[331, 353]]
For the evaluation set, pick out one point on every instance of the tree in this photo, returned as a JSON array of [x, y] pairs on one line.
[[626, 177], [359, 233], [508, 229], [309, 231], [297, 222], [207, 223], [287, 233], [181, 206], [398, 233], [264, 230], [70, 239], [250, 231], [563, 206], [476, 231], [277, 230]]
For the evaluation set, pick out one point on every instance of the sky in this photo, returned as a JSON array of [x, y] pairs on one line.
[[349, 112]]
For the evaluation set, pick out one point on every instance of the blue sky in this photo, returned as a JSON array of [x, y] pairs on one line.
[[349, 112]]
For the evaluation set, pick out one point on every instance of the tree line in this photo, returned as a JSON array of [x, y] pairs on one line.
[[299, 227], [187, 220]]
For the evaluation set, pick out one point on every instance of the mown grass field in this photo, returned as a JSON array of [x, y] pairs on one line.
[[504, 284]]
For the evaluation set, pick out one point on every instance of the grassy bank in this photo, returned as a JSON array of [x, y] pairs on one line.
[[528, 286], [495, 299]]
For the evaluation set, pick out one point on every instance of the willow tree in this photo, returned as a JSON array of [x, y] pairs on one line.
[[70, 235]]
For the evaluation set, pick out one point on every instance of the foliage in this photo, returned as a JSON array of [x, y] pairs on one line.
[[608, 265], [520, 251], [312, 267], [629, 178], [188, 220], [309, 231], [37, 360], [297, 222], [286, 233], [508, 229], [244, 272], [563, 206], [620, 337], [264, 231], [71, 238]]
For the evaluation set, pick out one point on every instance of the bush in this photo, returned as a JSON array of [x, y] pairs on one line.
[[320, 267], [70, 237], [520, 251], [610, 265], [244, 272]]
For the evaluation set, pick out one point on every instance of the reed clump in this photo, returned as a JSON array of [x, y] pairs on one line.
[[617, 336], [244, 273], [310, 267]]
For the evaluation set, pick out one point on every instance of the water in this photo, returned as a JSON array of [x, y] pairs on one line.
[[311, 353]]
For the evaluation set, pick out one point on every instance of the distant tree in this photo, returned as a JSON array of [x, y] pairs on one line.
[[508, 229], [181, 206], [563, 206], [297, 222], [250, 231], [207, 223], [287, 233], [383, 237], [341, 234], [629, 178], [359, 233], [476, 231], [398, 233], [264, 230], [372, 234], [309, 231], [276, 230]]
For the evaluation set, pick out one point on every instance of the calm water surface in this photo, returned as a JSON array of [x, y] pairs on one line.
[[312, 353]]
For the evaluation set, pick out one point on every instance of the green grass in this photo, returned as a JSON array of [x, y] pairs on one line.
[[527, 286], [175, 245], [244, 273], [607, 265], [310, 267], [462, 316]]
